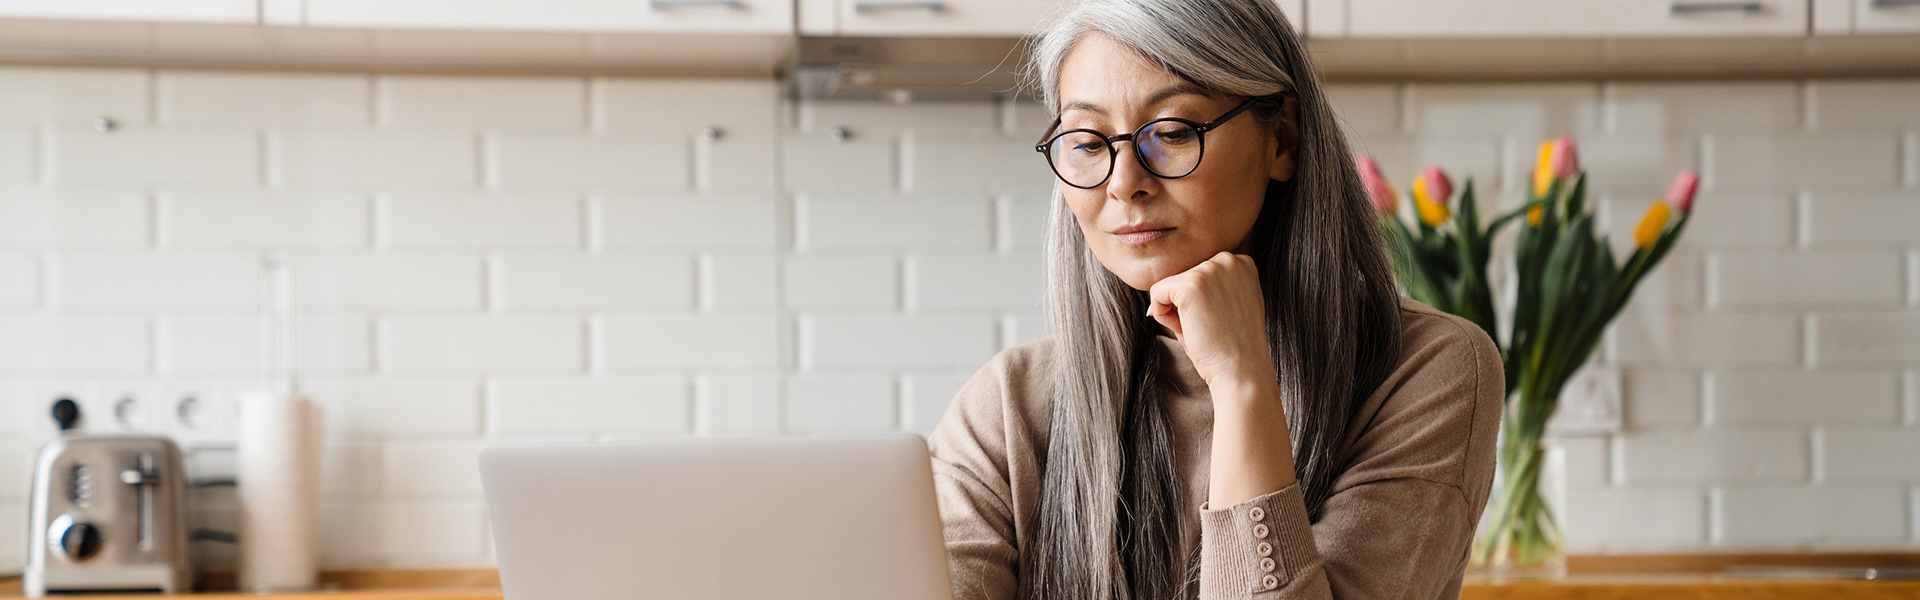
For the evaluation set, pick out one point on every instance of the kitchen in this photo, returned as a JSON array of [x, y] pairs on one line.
[[498, 223]]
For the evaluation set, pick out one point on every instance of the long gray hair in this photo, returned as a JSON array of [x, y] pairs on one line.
[[1110, 520]]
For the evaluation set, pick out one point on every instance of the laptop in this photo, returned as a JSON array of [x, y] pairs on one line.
[[846, 518]]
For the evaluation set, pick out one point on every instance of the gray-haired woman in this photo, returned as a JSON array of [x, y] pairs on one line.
[[1234, 401]]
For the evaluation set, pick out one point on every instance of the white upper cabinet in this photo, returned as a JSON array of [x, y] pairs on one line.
[[1567, 18], [205, 11], [645, 16], [1886, 16], [942, 18]]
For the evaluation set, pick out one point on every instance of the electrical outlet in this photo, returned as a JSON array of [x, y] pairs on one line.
[[192, 413], [1590, 404], [198, 413]]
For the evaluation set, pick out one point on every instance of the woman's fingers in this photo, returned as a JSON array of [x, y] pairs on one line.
[[1171, 320]]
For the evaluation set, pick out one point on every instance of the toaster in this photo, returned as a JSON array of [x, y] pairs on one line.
[[109, 514]]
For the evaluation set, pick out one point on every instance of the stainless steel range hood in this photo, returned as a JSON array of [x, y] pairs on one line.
[[907, 69]]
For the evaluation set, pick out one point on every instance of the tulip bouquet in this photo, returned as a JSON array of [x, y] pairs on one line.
[[1566, 287]]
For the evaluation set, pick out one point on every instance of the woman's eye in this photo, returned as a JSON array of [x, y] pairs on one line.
[[1180, 135], [1090, 146]]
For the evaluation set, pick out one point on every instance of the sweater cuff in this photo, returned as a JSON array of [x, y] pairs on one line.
[[1256, 547]]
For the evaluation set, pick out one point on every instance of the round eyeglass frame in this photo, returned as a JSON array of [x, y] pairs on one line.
[[1113, 152]]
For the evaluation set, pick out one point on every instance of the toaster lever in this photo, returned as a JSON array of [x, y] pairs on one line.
[[144, 476]]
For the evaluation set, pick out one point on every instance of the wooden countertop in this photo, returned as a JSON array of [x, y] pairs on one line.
[[1688, 577]]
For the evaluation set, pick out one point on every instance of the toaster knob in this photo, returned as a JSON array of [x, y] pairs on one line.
[[76, 540]]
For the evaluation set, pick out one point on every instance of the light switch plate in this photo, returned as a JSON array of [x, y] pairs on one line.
[[1590, 404]]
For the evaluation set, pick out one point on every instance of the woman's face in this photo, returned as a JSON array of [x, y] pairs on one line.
[[1144, 228]]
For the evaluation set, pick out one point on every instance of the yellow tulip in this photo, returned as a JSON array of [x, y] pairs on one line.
[[1543, 170], [1432, 212], [1652, 225], [1535, 214]]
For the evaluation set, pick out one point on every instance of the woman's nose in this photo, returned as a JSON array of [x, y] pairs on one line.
[[1130, 181]]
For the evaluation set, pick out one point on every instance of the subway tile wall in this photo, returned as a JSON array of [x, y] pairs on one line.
[[526, 258]]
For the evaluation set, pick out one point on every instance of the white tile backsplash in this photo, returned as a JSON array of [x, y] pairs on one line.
[[571, 408], [482, 221], [136, 156], [70, 96], [1820, 517], [485, 258], [235, 219], [19, 280], [189, 280], [340, 157], [1882, 219], [593, 281], [218, 98], [840, 404], [896, 342], [40, 343], [691, 342], [1861, 279], [649, 161], [739, 404], [462, 102], [43, 219], [483, 344], [388, 281], [17, 160]]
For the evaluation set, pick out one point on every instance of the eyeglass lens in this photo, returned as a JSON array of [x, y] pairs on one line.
[[1168, 148]]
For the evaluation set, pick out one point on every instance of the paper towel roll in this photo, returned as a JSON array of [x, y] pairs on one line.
[[279, 491]]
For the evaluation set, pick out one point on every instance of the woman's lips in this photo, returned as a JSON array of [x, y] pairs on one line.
[[1142, 237]]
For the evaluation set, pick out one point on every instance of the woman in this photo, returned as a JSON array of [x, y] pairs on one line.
[[1234, 401]]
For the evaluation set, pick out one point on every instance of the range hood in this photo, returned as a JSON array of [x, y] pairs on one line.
[[908, 69]]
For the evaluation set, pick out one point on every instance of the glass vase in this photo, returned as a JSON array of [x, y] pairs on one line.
[[1520, 535]]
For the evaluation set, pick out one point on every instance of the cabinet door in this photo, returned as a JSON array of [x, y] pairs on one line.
[[958, 18], [946, 18], [1886, 16], [1575, 18], [209, 11], [652, 16]]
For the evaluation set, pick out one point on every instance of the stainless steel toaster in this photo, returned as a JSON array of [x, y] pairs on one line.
[[109, 514]]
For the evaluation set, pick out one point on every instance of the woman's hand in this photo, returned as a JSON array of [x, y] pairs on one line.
[[1216, 310]]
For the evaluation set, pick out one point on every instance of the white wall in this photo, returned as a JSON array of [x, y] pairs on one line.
[[561, 258]]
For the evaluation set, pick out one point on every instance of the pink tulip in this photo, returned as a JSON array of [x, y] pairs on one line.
[[1680, 194], [1566, 161], [1378, 190], [1439, 188]]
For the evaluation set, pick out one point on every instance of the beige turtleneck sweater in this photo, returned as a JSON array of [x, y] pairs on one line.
[[1398, 524]]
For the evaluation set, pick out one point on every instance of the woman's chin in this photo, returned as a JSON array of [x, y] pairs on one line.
[[1141, 273]]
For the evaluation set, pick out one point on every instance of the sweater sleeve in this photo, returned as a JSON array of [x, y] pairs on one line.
[[1401, 518]]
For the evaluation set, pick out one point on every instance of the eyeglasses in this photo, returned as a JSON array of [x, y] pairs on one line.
[[1170, 148]]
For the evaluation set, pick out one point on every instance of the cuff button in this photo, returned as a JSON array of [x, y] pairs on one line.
[[1265, 549], [1270, 581], [1257, 514], [1266, 564], [1260, 530]]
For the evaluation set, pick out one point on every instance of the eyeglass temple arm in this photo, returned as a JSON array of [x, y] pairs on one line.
[[1210, 125]]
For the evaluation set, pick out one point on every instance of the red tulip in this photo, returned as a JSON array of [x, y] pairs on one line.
[[1680, 194], [1378, 190]]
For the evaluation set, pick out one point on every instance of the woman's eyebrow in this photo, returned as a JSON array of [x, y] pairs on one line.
[[1179, 89]]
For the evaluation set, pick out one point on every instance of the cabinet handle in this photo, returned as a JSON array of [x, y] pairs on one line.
[[873, 7], [673, 4], [1892, 4], [1688, 8]]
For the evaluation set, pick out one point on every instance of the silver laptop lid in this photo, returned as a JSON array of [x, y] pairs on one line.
[[847, 518]]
